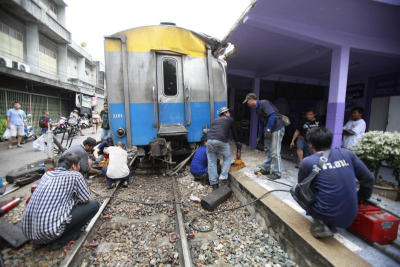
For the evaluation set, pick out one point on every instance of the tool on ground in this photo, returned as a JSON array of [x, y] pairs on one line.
[[215, 198], [375, 225], [9, 206], [24, 177], [238, 163]]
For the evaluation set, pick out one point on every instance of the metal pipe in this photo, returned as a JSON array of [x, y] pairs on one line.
[[189, 94], [126, 87], [155, 109], [210, 83]]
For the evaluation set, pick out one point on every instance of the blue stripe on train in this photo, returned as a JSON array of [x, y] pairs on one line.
[[142, 119]]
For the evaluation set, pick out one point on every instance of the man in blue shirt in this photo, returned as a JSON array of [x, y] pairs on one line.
[[273, 129], [336, 196], [15, 123], [199, 164]]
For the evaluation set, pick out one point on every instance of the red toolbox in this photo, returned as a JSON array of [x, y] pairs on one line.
[[375, 225]]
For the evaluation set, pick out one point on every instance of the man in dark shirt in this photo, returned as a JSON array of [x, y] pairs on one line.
[[105, 123], [82, 151], [44, 121], [99, 150], [217, 144], [299, 136], [273, 129], [336, 196]]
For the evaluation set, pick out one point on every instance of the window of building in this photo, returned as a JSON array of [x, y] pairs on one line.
[[170, 79], [11, 32], [101, 78], [47, 51]]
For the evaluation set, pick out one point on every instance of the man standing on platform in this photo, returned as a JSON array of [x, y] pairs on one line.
[[273, 129], [354, 128]]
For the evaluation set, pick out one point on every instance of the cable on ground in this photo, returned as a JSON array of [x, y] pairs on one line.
[[202, 215]]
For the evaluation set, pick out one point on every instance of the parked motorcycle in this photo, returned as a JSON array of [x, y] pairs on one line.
[[61, 126], [29, 130], [84, 122]]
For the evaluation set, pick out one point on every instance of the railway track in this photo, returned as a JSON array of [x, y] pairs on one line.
[[155, 231], [131, 230]]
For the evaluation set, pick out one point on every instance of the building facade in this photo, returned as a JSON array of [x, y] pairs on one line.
[[40, 66]]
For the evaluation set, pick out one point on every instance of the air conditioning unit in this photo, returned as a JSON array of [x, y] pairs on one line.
[[24, 67], [5, 62]]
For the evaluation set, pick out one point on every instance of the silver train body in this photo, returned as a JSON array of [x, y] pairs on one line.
[[163, 82]]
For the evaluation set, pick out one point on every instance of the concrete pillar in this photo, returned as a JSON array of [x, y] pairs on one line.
[[337, 93], [81, 68], [61, 15], [62, 62], [32, 47], [253, 116]]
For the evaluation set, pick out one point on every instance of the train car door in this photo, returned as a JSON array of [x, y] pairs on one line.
[[171, 101]]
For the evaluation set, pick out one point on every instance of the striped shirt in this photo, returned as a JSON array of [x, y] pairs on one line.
[[49, 209]]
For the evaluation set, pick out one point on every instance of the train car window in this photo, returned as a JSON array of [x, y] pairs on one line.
[[170, 79]]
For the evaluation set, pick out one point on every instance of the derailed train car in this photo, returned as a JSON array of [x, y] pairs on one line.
[[165, 85]]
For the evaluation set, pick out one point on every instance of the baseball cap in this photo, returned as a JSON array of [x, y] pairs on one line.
[[249, 96]]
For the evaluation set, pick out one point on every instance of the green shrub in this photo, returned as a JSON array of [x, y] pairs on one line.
[[3, 127]]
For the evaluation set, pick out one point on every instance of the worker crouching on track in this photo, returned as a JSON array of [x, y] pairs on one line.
[[273, 129], [59, 206], [199, 165], [336, 196], [98, 152], [217, 144], [82, 152], [118, 165]]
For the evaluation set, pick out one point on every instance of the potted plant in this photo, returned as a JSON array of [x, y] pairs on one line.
[[377, 148]]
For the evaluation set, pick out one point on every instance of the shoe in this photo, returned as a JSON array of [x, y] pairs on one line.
[[215, 187], [111, 186], [9, 147], [297, 166], [262, 172], [224, 182], [273, 176], [320, 230], [19, 146], [125, 184], [333, 229]]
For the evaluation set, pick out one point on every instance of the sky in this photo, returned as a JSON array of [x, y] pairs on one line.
[[90, 20]]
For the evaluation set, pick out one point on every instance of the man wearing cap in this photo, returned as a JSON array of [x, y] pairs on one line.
[[273, 129], [217, 144]]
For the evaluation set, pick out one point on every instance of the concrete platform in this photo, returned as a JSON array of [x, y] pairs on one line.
[[289, 224]]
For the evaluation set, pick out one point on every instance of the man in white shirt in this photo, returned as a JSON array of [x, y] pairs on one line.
[[354, 128], [118, 165]]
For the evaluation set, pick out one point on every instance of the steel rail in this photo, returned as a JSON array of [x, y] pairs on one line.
[[187, 257], [69, 258]]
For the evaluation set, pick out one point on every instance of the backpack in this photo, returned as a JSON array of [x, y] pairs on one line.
[[303, 192], [43, 122]]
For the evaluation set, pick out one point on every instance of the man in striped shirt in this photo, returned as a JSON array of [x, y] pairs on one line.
[[59, 206]]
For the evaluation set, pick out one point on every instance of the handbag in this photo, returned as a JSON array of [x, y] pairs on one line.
[[303, 192], [285, 119]]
